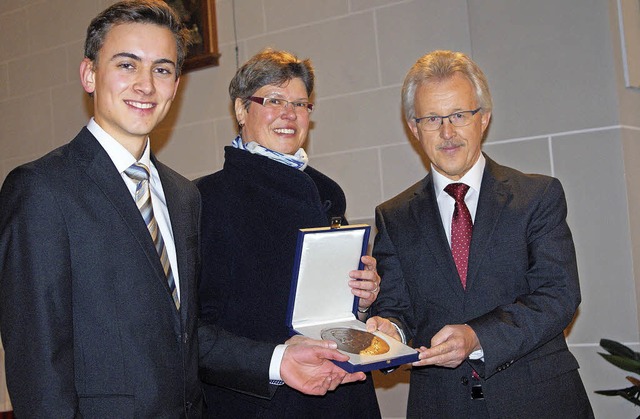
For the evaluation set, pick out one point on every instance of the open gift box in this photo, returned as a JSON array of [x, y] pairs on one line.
[[321, 305]]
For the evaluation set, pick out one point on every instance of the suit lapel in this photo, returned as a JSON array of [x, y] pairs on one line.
[[494, 195], [424, 207], [177, 217], [99, 168]]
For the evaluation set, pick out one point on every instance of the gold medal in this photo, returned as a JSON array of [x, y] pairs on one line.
[[356, 341]]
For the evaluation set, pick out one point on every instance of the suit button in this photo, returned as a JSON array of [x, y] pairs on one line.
[[464, 381], [185, 338]]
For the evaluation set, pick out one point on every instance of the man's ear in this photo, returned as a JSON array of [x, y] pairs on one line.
[[414, 128], [486, 117], [175, 89], [241, 111], [87, 76]]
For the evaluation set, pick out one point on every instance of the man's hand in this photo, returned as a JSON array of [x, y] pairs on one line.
[[383, 325], [450, 347], [308, 369]]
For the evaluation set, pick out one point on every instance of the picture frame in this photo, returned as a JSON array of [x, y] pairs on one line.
[[199, 16]]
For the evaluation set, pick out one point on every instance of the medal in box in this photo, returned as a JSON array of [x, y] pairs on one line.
[[321, 305]]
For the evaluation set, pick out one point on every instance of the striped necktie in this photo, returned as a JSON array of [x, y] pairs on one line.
[[461, 229], [139, 173]]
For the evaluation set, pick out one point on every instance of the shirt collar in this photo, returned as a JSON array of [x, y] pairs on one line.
[[473, 177], [120, 156]]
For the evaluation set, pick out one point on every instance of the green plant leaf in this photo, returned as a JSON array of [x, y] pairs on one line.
[[626, 364], [629, 393], [616, 348]]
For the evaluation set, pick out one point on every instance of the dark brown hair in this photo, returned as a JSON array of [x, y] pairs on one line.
[[136, 11]]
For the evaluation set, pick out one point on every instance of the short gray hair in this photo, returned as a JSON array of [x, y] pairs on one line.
[[441, 65], [269, 67]]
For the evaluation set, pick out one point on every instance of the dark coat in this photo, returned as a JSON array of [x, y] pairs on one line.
[[88, 323], [522, 292], [251, 213]]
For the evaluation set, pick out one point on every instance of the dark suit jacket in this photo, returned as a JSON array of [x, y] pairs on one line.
[[87, 320], [522, 292], [251, 213]]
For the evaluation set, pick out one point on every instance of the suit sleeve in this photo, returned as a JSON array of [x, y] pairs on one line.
[[393, 301], [234, 362], [511, 331], [226, 360], [35, 298]]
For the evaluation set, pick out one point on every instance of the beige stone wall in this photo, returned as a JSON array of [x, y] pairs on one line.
[[560, 108]]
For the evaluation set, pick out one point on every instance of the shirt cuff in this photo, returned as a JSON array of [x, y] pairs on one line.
[[403, 338], [274, 366], [479, 354]]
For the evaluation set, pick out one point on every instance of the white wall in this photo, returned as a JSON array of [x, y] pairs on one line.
[[561, 108]]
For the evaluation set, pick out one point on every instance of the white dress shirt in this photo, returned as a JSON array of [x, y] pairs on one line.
[[446, 204], [122, 159]]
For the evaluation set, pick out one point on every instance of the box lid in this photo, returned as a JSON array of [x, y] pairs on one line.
[[320, 290]]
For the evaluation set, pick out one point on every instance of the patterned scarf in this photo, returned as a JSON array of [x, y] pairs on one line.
[[298, 160]]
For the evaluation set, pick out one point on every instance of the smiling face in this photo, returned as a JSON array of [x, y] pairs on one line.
[[283, 130], [133, 81], [451, 150]]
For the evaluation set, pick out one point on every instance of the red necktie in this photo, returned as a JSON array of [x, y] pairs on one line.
[[461, 229]]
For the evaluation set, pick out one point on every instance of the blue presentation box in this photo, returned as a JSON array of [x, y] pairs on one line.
[[321, 298]]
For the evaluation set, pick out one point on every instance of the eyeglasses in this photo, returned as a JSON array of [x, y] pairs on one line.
[[280, 104], [457, 119]]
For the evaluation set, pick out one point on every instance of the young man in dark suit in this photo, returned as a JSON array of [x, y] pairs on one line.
[[478, 265], [99, 255]]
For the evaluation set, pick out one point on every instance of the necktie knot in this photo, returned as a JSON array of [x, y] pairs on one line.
[[457, 191], [138, 172]]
